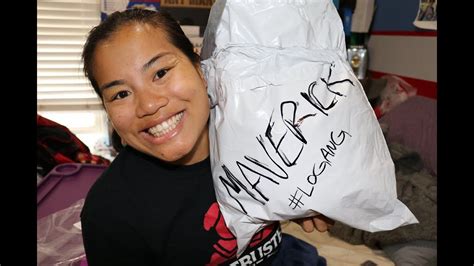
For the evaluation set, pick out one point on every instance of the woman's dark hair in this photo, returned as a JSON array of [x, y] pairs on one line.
[[158, 19], [116, 141]]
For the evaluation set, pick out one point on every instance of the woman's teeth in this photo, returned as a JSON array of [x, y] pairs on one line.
[[166, 126]]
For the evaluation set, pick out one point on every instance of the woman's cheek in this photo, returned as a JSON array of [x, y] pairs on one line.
[[119, 121]]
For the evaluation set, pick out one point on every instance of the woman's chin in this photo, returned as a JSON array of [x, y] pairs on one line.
[[177, 156]]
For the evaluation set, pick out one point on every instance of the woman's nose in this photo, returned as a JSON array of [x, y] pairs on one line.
[[149, 103]]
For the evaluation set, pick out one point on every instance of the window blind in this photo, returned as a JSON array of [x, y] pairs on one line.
[[62, 28]]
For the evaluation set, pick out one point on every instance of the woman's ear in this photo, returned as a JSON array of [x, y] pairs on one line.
[[201, 73]]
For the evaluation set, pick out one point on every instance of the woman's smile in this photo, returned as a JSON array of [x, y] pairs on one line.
[[166, 126], [164, 131]]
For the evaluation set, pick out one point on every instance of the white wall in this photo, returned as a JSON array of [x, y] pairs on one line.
[[410, 56]]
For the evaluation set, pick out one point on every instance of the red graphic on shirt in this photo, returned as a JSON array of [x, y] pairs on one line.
[[226, 246]]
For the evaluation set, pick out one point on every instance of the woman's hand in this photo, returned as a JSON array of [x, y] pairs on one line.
[[318, 222]]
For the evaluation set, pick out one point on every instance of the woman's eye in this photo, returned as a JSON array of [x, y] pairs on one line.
[[121, 95], [161, 73]]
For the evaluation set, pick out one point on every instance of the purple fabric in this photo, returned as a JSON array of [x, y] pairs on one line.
[[413, 123], [83, 262], [65, 184]]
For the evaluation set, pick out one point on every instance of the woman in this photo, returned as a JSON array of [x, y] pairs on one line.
[[155, 204]]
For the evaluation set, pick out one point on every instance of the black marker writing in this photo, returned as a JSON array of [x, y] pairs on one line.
[[236, 185], [288, 112], [294, 201], [330, 84], [288, 147], [297, 202], [291, 142], [310, 96], [331, 150], [257, 180]]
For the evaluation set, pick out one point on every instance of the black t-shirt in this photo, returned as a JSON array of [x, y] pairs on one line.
[[142, 211]]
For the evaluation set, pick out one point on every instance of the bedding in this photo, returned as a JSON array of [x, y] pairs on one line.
[[414, 124]]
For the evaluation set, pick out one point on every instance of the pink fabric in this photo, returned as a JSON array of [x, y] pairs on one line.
[[413, 123]]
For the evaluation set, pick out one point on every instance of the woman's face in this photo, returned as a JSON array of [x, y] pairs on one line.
[[154, 96]]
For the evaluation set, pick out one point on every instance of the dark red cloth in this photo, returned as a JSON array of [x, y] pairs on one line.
[[56, 144]]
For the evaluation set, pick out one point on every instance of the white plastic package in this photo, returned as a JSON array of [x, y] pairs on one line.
[[292, 132], [59, 238]]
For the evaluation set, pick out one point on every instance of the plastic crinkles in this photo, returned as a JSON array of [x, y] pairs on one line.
[[292, 132]]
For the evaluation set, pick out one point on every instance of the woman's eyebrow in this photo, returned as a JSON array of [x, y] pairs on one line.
[[146, 66], [111, 84], [153, 60]]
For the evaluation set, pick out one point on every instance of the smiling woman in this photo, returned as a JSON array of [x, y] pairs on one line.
[[156, 204], [149, 86]]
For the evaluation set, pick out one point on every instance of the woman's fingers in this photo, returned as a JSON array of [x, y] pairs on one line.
[[322, 223], [318, 222], [307, 225]]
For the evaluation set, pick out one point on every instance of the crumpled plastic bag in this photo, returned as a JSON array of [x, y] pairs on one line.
[[291, 130], [59, 240], [395, 92]]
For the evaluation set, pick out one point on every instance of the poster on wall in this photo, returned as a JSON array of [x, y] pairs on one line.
[[108, 7], [426, 17]]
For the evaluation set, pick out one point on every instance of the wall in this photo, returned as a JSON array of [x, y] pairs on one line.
[[395, 15], [397, 47]]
